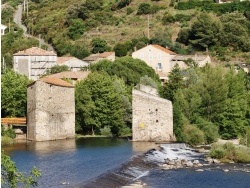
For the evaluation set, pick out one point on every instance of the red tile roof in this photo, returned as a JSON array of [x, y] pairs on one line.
[[163, 49], [35, 51], [70, 74], [56, 81]]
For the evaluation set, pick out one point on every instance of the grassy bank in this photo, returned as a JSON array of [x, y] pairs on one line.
[[229, 152]]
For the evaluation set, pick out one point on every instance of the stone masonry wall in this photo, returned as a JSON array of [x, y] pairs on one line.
[[152, 118], [51, 112]]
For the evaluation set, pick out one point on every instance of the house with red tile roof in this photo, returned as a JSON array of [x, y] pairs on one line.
[[73, 63], [93, 58], [163, 60], [34, 62], [156, 57]]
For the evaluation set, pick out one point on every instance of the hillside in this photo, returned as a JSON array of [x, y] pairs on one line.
[[82, 27]]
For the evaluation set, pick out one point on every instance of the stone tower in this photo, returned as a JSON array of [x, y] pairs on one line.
[[50, 110], [152, 116]]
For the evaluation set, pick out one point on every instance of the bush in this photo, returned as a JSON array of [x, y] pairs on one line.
[[229, 152], [193, 135], [106, 131], [129, 10], [217, 151]]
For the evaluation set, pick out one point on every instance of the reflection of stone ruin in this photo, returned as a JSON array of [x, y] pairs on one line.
[[152, 116], [50, 110]]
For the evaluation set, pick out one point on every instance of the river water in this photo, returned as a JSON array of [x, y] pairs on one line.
[[107, 162]]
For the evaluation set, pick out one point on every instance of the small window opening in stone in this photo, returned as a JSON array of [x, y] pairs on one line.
[[157, 121], [156, 109], [148, 109]]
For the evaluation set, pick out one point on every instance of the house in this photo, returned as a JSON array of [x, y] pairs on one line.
[[74, 76], [3, 27], [152, 116], [50, 110], [198, 60], [156, 57], [73, 63], [34, 62], [93, 58], [162, 60]]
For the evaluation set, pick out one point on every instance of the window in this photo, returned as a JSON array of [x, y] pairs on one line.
[[151, 56], [159, 66], [159, 56]]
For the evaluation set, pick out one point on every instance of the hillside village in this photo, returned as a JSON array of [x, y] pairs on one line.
[[105, 68]]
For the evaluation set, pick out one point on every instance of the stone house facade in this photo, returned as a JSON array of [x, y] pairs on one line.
[[152, 116], [50, 110], [34, 62]]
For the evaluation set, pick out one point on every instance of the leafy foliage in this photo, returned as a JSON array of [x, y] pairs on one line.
[[98, 105], [14, 94], [10, 176]]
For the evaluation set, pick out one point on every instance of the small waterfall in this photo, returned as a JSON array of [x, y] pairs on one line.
[[172, 151]]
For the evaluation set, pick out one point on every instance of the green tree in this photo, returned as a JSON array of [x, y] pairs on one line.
[[213, 89], [234, 117], [120, 50], [175, 82], [98, 105], [99, 45], [205, 32], [144, 8], [10, 176], [14, 94], [76, 29], [80, 51]]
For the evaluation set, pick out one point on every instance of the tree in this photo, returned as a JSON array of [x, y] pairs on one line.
[[174, 82], [98, 104], [79, 51], [14, 94], [213, 89], [234, 116], [10, 176], [99, 45], [144, 8], [120, 50], [205, 32], [76, 29]]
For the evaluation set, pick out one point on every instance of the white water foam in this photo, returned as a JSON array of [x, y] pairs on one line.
[[172, 151], [136, 173]]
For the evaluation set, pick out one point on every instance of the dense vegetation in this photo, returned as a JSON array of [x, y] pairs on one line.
[[82, 27], [103, 100], [203, 109], [14, 94], [208, 103]]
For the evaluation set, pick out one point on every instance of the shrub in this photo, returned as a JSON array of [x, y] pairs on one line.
[[228, 152], [217, 151], [129, 10], [193, 135], [106, 131]]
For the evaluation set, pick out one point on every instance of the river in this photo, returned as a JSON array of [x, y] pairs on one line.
[[107, 162]]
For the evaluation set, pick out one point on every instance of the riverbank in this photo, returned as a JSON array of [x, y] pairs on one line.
[[133, 173]]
